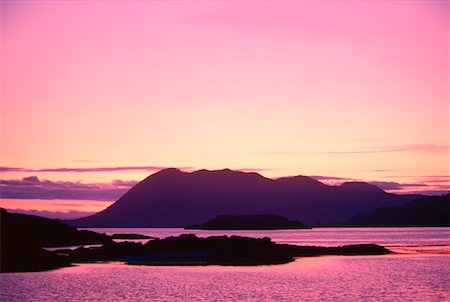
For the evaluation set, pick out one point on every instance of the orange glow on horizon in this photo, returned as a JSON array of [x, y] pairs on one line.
[[354, 89]]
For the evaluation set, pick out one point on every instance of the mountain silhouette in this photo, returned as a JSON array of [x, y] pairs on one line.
[[427, 211], [172, 198]]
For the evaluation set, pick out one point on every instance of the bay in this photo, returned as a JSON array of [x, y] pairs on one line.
[[417, 272]]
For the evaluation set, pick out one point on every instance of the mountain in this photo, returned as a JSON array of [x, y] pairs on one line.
[[249, 222], [428, 211], [172, 198]]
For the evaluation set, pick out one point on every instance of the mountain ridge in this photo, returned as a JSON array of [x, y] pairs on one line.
[[426, 211], [174, 198]]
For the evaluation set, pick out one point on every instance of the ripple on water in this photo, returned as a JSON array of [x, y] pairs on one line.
[[333, 278]]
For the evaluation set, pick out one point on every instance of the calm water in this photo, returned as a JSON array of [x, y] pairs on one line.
[[419, 272]]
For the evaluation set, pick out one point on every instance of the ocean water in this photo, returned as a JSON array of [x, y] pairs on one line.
[[419, 271]]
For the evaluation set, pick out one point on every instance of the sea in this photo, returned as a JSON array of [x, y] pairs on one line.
[[419, 271]]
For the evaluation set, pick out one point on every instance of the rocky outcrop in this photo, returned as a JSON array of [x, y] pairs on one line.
[[216, 250], [24, 236]]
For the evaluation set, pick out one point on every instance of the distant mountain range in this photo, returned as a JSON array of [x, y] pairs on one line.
[[172, 198], [427, 211]]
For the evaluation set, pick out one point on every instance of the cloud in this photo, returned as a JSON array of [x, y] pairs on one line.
[[423, 148], [438, 179], [82, 170], [392, 185], [33, 188], [84, 161], [257, 170], [31, 179], [321, 177], [53, 214], [416, 187], [124, 183]]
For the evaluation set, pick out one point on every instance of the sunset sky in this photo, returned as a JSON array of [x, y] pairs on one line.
[[97, 95]]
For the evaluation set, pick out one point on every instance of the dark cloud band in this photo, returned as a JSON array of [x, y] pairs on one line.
[[81, 170]]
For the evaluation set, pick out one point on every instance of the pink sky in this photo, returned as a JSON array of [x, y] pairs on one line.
[[353, 89]]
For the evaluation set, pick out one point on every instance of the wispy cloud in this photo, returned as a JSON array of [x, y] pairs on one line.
[[82, 170], [84, 161], [422, 148], [427, 186], [321, 177], [257, 170], [33, 188], [53, 214], [394, 186]]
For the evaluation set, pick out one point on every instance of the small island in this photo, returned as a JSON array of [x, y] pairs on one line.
[[128, 236], [249, 222]]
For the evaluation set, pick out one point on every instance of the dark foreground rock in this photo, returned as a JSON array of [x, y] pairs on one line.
[[24, 236], [346, 250], [249, 222], [30, 259], [43, 232], [216, 250]]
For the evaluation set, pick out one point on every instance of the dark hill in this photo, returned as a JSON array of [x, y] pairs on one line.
[[43, 232], [428, 211], [172, 198], [23, 236], [249, 222]]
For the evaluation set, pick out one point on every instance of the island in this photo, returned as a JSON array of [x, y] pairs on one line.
[[188, 249], [128, 236], [249, 222]]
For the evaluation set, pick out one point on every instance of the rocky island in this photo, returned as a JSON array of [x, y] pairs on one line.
[[188, 249], [128, 236], [249, 222]]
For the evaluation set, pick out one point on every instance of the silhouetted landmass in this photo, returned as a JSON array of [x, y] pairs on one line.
[[29, 259], [216, 250], [23, 236], [129, 236], [249, 222], [44, 232], [428, 211], [172, 198]]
